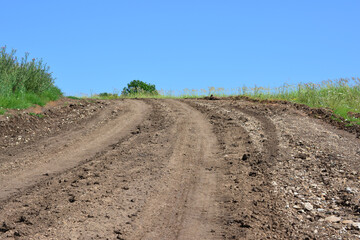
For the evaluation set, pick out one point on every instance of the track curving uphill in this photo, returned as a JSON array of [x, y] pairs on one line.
[[177, 169]]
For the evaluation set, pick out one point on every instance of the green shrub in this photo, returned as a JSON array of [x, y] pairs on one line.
[[136, 87]]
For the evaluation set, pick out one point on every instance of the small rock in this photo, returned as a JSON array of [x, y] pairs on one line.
[[349, 190], [308, 206], [296, 207], [301, 156], [348, 221], [356, 225], [252, 174], [72, 199], [274, 183], [245, 157], [332, 219]]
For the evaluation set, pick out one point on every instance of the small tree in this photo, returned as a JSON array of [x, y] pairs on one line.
[[137, 86]]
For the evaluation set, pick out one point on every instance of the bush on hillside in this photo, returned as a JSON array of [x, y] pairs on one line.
[[139, 87]]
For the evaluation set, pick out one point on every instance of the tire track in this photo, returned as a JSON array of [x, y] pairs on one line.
[[165, 166], [250, 148], [304, 173], [197, 169], [92, 193], [184, 206], [59, 158]]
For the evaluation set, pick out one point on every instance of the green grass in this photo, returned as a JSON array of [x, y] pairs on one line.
[[28, 99], [72, 97], [39, 115], [341, 96], [24, 83]]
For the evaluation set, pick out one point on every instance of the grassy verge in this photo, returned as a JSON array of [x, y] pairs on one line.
[[24, 83], [342, 96]]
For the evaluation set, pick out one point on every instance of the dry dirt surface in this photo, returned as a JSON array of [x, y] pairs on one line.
[[177, 169]]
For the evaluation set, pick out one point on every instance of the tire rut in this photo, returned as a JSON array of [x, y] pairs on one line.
[[250, 148], [165, 167], [198, 169], [305, 173], [30, 168], [184, 206]]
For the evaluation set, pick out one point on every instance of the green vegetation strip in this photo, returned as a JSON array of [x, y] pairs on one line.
[[342, 96]]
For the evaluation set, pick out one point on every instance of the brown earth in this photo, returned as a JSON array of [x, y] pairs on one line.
[[177, 169]]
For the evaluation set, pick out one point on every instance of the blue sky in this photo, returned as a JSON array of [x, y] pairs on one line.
[[99, 46]]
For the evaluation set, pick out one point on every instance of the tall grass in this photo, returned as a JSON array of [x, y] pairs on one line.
[[341, 95], [25, 82]]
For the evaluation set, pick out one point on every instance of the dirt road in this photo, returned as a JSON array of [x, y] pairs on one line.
[[177, 169]]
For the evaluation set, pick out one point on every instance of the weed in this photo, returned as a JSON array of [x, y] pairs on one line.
[[25, 83], [39, 115]]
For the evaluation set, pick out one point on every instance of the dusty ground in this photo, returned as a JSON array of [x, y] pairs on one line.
[[177, 169]]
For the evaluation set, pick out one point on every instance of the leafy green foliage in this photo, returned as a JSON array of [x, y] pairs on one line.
[[139, 87], [24, 83]]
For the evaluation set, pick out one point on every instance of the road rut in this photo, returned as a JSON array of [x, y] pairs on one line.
[[179, 169], [64, 152]]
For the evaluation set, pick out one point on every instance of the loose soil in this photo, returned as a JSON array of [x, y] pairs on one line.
[[177, 169]]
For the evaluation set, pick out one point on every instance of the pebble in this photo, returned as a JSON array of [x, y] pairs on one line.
[[348, 222], [349, 190], [308, 206], [332, 219], [356, 225]]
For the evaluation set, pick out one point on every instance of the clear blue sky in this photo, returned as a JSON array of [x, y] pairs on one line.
[[97, 46]]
